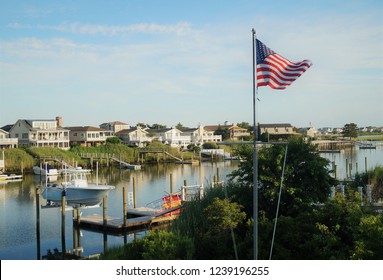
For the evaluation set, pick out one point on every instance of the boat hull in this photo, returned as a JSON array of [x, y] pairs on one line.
[[84, 196], [42, 171]]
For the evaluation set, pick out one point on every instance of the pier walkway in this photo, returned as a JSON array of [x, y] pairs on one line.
[[144, 217]]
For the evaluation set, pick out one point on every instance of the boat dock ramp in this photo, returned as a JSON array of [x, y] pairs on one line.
[[163, 210], [141, 218]]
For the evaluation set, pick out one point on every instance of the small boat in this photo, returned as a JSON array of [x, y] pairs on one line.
[[192, 162], [45, 170], [172, 201], [75, 170], [130, 166], [4, 178], [366, 145], [77, 192]]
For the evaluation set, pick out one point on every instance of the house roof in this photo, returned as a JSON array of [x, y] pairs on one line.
[[132, 129], [275, 125], [185, 130], [115, 123], [4, 131], [7, 127], [85, 128], [223, 127], [160, 130]]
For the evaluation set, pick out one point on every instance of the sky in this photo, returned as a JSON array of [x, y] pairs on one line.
[[190, 62]]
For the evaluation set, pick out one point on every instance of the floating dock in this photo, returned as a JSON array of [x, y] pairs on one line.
[[138, 218], [10, 178]]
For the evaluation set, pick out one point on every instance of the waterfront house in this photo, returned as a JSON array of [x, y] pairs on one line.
[[88, 136], [134, 136], [310, 132], [40, 133], [325, 130], [6, 142], [170, 136], [279, 129], [234, 131], [200, 135], [115, 126]]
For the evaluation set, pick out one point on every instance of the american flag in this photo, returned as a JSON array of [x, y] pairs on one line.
[[276, 71]]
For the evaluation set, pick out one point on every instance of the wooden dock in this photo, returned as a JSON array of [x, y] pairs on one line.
[[141, 218]]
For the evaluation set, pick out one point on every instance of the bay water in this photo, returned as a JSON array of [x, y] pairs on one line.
[[20, 239]]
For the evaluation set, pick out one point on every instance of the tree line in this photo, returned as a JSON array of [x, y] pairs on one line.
[[310, 224]]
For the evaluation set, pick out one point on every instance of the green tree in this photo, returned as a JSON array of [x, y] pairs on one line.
[[158, 126], [113, 140], [245, 125], [350, 130], [180, 126], [157, 245], [225, 133], [209, 145], [306, 179]]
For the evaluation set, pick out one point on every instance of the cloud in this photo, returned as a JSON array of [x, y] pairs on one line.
[[180, 28]]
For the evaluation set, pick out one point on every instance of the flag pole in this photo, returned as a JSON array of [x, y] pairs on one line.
[[255, 158]]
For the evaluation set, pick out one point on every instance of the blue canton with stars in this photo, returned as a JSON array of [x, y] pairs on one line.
[[262, 51]]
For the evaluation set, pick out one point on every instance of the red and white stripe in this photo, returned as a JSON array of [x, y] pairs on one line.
[[278, 72]]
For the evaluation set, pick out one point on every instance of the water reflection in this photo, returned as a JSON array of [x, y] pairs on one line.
[[30, 231], [351, 161]]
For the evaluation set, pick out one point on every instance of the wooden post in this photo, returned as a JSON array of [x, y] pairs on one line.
[[346, 168], [38, 223], [185, 189], [104, 213], [41, 166], [134, 192], [217, 174], [63, 202], [78, 216], [171, 183], [335, 169], [365, 164], [74, 235], [124, 204]]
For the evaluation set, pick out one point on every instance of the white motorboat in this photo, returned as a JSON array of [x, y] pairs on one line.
[[45, 170], [75, 170], [77, 192]]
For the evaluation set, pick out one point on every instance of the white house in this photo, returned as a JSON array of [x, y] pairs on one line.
[[309, 131], [134, 136], [40, 133], [201, 135], [6, 142], [170, 136]]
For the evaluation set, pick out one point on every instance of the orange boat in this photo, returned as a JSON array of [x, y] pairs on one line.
[[171, 201]]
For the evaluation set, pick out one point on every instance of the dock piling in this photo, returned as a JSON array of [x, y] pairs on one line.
[[124, 205], [63, 204], [134, 193], [104, 212], [171, 183]]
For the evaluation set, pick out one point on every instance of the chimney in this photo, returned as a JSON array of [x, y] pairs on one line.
[[59, 121]]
